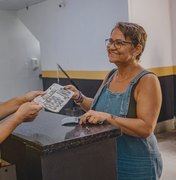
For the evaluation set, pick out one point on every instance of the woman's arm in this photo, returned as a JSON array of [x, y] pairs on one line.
[[83, 101], [148, 99], [86, 102]]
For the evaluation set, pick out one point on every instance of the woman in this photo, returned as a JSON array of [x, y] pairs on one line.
[[130, 99]]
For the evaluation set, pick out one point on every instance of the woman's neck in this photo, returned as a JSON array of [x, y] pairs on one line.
[[127, 72]]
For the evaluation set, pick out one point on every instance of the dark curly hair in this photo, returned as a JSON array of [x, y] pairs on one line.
[[134, 32]]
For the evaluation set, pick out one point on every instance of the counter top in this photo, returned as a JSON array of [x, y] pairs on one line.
[[47, 134]]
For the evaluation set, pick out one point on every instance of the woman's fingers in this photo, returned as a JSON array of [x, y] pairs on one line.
[[91, 117]]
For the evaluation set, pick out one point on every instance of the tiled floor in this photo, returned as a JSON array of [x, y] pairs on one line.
[[167, 145]]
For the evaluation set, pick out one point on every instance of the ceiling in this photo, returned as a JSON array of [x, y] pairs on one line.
[[17, 4]]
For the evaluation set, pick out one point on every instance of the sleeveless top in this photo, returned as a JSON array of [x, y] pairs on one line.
[[130, 149]]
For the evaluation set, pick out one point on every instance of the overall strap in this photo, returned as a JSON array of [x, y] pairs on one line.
[[109, 77], [124, 109], [110, 74]]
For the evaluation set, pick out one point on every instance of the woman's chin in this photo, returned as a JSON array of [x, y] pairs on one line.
[[112, 60]]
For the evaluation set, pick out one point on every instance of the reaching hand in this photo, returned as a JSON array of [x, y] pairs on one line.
[[27, 112], [31, 95]]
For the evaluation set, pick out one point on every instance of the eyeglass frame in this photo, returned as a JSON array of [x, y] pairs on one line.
[[114, 42]]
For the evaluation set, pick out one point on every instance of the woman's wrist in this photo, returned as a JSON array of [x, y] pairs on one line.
[[111, 118], [79, 99]]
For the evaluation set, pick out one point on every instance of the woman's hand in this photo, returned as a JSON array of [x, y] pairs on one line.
[[94, 117], [27, 112], [74, 89]]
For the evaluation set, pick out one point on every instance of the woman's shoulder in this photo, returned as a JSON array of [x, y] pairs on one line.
[[145, 74], [149, 76], [148, 80]]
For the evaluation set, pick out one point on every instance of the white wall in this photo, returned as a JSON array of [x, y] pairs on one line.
[[17, 46], [74, 35], [154, 16], [173, 21]]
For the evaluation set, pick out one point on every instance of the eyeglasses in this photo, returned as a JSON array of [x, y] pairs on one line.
[[117, 43]]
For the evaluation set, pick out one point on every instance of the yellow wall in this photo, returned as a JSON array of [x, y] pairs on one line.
[[99, 75]]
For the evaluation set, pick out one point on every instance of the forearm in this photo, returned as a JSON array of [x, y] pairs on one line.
[[10, 106], [132, 126], [7, 127], [86, 103]]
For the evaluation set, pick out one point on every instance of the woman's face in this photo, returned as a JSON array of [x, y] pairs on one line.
[[120, 50]]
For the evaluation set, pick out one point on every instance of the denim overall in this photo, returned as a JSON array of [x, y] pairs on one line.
[[137, 158]]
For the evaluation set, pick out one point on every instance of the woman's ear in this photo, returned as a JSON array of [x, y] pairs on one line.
[[137, 50]]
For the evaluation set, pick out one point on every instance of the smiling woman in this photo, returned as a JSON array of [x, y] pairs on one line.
[[130, 99]]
